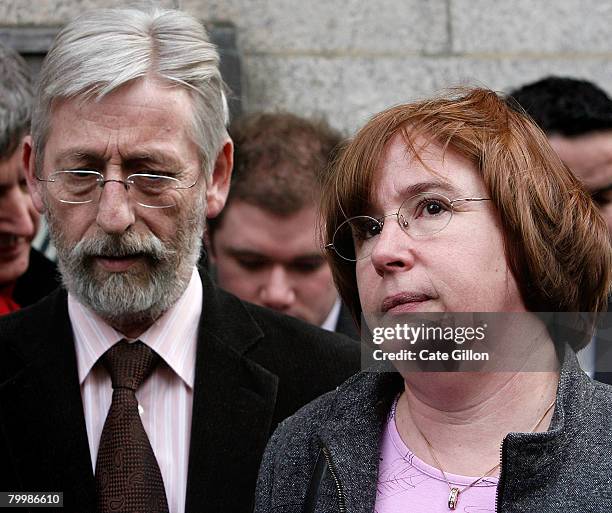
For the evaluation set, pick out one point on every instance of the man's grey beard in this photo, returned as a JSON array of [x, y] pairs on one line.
[[136, 297]]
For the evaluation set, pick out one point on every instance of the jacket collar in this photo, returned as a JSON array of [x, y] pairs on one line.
[[233, 404], [351, 432], [535, 456], [42, 413]]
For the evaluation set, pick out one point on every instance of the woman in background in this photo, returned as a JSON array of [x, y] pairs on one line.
[[456, 204]]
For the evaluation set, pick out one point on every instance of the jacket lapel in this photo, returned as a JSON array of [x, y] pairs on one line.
[[345, 324], [351, 435], [233, 406], [40, 407]]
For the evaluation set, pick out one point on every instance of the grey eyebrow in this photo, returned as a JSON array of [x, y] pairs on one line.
[[78, 155]]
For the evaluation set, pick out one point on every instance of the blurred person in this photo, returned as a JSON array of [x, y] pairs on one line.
[[576, 115], [263, 244], [25, 274], [142, 387], [456, 204]]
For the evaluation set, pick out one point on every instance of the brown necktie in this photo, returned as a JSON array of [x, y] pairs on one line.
[[128, 479]]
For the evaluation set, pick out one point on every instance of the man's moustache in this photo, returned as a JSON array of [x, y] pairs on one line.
[[121, 247]]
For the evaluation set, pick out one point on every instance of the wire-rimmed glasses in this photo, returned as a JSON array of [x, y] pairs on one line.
[[80, 186], [420, 215]]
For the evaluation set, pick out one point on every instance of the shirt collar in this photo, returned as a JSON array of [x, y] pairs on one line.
[[331, 321], [173, 336]]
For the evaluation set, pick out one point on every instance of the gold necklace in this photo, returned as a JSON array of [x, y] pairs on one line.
[[453, 496]]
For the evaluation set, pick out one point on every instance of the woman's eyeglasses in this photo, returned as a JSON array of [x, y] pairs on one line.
[[421, 215]]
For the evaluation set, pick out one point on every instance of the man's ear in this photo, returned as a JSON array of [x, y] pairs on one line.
[[29, 167], [218, 188]]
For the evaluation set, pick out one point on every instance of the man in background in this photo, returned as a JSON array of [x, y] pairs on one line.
[[141, 387], [576, 115], [25, 274], [264, 243]]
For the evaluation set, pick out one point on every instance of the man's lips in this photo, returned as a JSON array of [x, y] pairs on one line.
[[404, 301], [12, 246], [9, 240], [118, 263]]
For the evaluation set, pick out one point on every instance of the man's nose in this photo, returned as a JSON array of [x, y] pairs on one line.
[[277, 293], [16, 212], [115, 211]]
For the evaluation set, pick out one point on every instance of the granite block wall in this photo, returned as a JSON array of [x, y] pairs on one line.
[[346, 59]]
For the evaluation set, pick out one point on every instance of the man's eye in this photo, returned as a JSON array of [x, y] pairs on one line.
[[307, 267], [79, 174], [75, 178], [602, 197], [252, 265]]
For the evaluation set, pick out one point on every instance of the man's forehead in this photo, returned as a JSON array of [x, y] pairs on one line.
[[599, 142], [588, 156], [139, 121], [252, 228], [143, 152], [143, 91], [114, 116], [151, 99]]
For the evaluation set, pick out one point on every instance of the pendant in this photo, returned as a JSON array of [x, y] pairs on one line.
[[453, 498]]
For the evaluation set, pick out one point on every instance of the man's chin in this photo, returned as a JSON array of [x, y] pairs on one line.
[[120, 297]]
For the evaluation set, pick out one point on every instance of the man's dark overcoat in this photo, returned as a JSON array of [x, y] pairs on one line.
[[254, 368]]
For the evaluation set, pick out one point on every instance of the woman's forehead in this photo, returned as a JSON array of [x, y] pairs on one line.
[[424, 167]]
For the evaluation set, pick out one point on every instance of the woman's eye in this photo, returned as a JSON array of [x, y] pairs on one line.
[[433, 208], [363, 229], [370, 229]]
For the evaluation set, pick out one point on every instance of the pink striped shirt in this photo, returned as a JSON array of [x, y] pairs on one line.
[[166, 397]]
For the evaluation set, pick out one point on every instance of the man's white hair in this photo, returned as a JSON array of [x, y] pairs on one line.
[[102, 50]]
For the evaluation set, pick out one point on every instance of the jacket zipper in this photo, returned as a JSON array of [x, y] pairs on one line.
[[501, 471], [334, 474]]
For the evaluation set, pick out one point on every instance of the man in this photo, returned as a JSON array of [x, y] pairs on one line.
[[128, 155], [25, 274], [264, 242], [576, 115]]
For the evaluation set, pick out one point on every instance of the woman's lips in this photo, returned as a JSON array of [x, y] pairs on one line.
[[404, 302]]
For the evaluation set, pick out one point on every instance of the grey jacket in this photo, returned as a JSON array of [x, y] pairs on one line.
[[324, 459]]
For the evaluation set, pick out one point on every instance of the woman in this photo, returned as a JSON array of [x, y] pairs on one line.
[[457, 204]]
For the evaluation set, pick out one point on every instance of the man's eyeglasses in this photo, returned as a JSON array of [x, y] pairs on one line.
[[78, 186], [421, 215]]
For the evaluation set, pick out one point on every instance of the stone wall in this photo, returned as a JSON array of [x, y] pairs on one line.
[[348, 59]]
